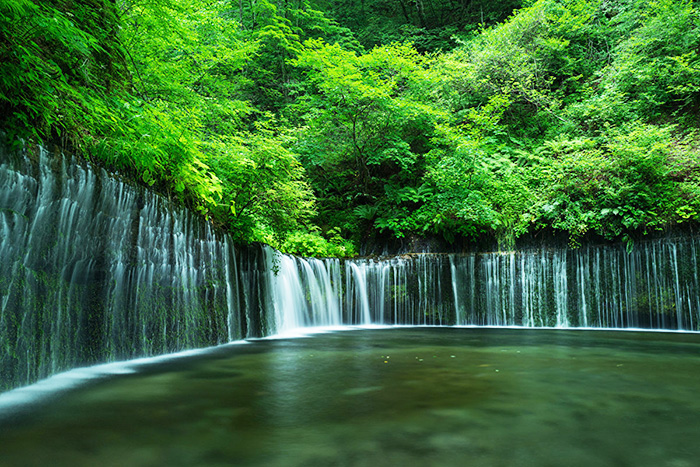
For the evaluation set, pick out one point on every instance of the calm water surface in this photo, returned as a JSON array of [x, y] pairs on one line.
[[406, 396]]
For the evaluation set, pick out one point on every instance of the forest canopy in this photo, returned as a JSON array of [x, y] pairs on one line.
[[318, 126]]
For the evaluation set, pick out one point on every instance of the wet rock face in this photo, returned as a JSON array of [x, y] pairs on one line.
[[93, 269]]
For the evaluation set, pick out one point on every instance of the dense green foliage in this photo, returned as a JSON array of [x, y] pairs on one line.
[[430, 25], [305, 123]]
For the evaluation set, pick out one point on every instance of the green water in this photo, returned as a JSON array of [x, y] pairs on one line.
[[404, 397]]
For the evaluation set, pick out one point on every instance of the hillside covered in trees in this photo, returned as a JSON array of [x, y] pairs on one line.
[[319, 125]]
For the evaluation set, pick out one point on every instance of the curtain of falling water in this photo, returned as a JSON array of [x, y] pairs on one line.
[[93, 269], [655, 286]]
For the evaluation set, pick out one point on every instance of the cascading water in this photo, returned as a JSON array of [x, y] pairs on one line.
[[93, 269], [409, 289], [655, 286], [302, 292]]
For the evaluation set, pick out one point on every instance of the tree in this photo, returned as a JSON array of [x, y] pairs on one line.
[[368, 127], [265, 196]]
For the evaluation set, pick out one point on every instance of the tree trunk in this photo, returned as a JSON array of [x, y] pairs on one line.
[[421, 13]]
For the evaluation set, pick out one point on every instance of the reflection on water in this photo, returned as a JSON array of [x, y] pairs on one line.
[[407, 396]]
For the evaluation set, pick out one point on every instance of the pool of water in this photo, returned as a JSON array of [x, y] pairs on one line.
[[399, 396]]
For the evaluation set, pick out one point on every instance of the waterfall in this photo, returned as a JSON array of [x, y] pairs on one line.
[[655, 286], [358, 298], [95, 269], [303, 292]]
